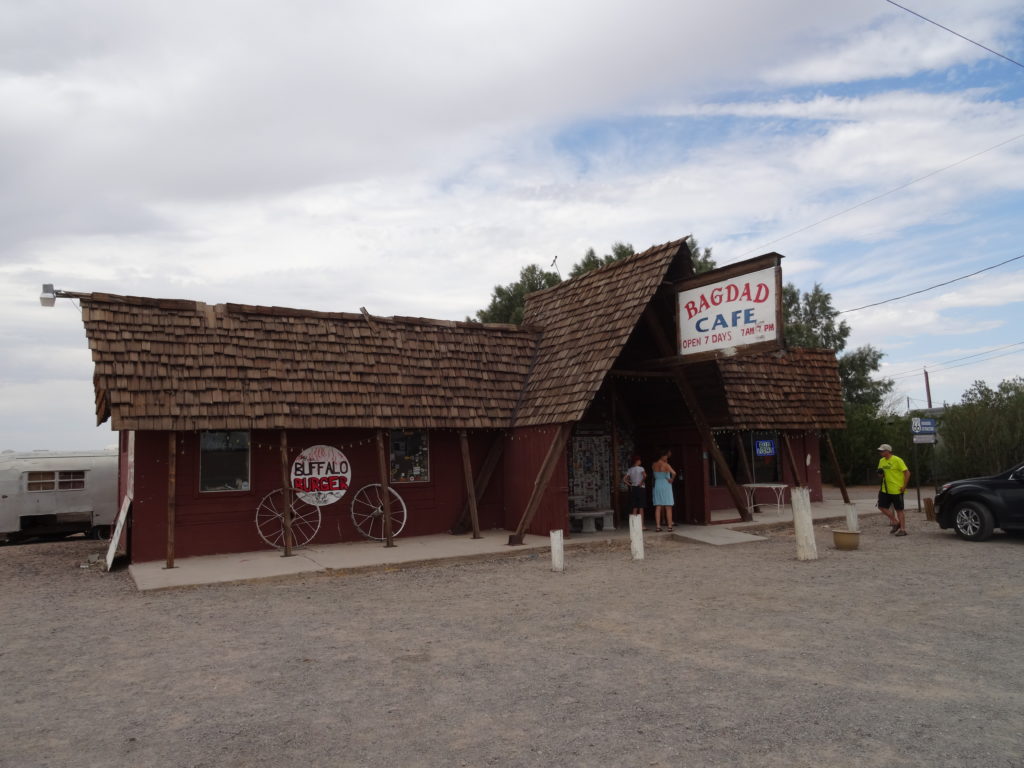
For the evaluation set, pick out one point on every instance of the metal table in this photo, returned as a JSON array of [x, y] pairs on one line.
[[778, 488]]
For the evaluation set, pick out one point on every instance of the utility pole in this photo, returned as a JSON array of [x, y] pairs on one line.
[[927, 388]]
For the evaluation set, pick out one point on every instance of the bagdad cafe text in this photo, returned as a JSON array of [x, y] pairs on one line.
[[731, 316]]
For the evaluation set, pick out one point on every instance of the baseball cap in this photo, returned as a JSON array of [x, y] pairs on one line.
[[885, 447]]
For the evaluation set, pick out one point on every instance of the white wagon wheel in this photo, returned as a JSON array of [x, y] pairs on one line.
[[270, 520], [368, 511]]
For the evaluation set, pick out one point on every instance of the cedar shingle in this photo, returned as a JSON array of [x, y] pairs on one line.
[[188, 365]]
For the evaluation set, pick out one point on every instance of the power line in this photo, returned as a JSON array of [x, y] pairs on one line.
[[879, 197], [961, 365], [954, 32], [916, 371], [994, 357], [931, 287]]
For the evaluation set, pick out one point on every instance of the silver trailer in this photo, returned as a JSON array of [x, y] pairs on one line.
[[54, 493]]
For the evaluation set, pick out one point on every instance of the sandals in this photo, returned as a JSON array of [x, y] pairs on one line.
[[669, 529], [901, 533], [657, 530], [893, 527]]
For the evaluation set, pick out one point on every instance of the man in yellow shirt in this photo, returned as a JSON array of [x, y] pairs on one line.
[[895, 476]]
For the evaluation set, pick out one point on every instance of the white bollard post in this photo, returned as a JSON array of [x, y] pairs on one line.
[[803, 524], [852, 521], [636, 536], [557, 552]]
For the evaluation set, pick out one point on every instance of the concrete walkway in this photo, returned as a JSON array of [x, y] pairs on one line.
[[442, 548]]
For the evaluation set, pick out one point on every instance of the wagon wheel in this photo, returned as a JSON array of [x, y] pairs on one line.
[[270, 520], [368, 511]]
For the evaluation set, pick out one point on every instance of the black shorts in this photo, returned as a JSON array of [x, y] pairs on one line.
[[894, 500], [637, 497]]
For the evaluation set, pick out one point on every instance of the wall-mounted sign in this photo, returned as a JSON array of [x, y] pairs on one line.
[[920, 426], [320, 475], [740, 310], [764, 447]]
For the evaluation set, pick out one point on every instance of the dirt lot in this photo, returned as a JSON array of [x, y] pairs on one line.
[[906, 652]]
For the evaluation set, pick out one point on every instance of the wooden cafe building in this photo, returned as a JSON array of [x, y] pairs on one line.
[[236, 418]]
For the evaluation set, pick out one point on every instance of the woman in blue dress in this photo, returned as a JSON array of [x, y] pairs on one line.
[[663, 477]]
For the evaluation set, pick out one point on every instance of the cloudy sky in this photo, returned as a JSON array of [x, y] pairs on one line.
[[408, 156]]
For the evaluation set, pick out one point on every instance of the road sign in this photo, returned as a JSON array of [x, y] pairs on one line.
[[919, 426], [924, 438]]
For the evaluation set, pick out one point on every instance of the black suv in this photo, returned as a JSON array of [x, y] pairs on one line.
[[975, 507]]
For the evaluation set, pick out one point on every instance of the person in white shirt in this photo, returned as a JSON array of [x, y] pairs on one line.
[[636, 479]]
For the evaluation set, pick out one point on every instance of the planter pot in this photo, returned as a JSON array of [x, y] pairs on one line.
[[846, 539]]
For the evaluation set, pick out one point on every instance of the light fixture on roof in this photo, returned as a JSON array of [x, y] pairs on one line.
[[49, 296]]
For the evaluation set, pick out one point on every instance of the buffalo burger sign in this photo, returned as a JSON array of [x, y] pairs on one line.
[[737, 312], [320, 475]]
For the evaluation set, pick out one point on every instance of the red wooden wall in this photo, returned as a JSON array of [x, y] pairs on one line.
[[525, 450], [222, 522]]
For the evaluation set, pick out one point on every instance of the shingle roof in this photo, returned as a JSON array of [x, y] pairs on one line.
[[586, 322], [795, 389], [184, 365]]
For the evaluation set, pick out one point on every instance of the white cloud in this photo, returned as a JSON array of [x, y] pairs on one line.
[[408, 157]]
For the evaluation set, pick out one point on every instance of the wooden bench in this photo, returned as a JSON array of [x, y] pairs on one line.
[[589, 516]]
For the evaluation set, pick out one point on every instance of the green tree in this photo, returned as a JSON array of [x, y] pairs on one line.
[[702, 260], [592, 261], [507, 300], [811, 321], [855, 369], [983, 434]]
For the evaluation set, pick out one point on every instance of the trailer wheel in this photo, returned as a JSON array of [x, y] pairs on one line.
[[100, 532], [368, 511], [270, 520]]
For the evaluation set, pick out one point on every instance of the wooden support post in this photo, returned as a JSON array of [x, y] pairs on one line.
[[384, 465], [286, 493], [467, 471], [792, 461], [616, 463], [172, 481], [852, 521], [540, 485], [697, 413], [708, 437], [557, 551], [636, 536], [483, 479], [836, 469], [803, 524], [741, 451]]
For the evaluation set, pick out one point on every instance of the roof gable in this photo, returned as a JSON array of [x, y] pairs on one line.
[[586, 321]]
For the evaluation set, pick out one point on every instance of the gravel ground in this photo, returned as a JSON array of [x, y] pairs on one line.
[[903, 653]]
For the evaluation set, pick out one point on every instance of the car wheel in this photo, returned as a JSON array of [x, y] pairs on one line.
[[972, 521]]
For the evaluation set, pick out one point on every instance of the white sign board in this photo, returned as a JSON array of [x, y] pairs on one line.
[[730, 313], [320, 475]]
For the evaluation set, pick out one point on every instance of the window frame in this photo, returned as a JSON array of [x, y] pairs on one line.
[[51, 481], [201, 452], [392, 466]]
